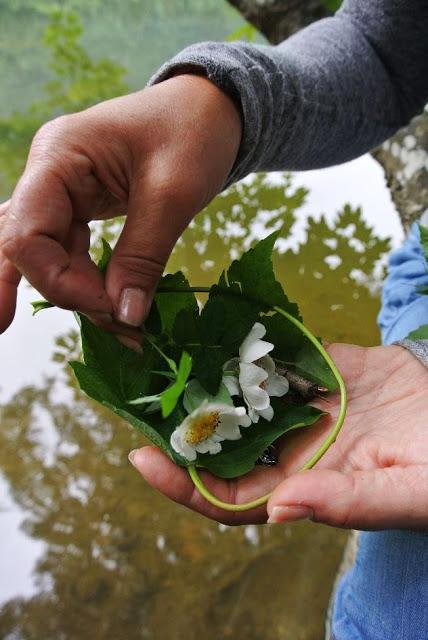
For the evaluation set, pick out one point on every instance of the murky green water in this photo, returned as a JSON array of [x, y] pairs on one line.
[[120, 560]]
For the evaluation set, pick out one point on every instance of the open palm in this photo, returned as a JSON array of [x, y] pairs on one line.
[[375, 476]]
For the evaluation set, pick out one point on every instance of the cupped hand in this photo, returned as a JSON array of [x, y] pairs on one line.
[[375, 476], [158, 156]]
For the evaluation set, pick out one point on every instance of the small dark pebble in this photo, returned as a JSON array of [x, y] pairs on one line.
[[269, 457]]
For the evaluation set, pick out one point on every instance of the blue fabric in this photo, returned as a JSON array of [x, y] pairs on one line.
[[385, 595], [403, 308]]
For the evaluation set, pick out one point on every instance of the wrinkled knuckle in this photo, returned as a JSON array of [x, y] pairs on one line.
[[13, 247], [141, 266], [52, 132]]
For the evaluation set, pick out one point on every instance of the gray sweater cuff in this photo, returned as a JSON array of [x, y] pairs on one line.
[[419, 348]]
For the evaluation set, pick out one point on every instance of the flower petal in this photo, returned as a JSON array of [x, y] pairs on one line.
[[229, 431], [251, 375], [252, 347], [208, 446], [267, 414], [232, 385], [181, 446], [267, 364], [256, 398], [277, 385], [253, 415]]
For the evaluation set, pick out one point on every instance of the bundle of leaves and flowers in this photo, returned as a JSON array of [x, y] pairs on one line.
[[215, 386]]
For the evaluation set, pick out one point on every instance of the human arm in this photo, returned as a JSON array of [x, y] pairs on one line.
[[327, 94], [324, 96]]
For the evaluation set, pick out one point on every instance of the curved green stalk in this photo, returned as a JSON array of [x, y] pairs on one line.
[[246, 506]]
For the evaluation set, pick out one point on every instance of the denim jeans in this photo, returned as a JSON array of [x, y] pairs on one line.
[[384, 596]]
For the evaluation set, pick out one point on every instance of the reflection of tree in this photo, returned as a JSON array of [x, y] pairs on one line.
[[331, 274], [333, 277], [119, 556], [231, 223]]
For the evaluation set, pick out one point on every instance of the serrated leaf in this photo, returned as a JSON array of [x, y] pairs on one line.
[[195, 395], [170, 304], [239, 456], [123, 370], [253, 274], [419, 334]]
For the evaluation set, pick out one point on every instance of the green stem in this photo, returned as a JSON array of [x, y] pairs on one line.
[[246, 506]]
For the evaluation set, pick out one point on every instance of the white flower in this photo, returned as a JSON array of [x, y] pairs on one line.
[[206, 427], [257, 380]]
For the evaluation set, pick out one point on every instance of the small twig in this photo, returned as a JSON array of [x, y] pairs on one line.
[[306, 388]]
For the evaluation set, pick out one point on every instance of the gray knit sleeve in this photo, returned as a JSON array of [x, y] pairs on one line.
[[419, 348], [327, 94]]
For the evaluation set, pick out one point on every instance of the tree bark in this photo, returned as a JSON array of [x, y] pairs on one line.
[[403, 157], [279, 19]]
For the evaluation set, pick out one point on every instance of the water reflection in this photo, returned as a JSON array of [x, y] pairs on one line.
[[120, 560]]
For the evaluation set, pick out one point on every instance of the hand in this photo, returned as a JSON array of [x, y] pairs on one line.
[[375, 476], [159, 156]]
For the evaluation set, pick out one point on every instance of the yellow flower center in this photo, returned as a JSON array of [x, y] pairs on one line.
[[202, 428]]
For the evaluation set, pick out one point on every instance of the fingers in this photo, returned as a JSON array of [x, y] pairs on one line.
[[44, 243], [9, 281], [175, 483], [393, 497], [157, 215]]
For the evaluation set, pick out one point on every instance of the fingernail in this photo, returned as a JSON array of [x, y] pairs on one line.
[[132, 307], [290, 514], [131, 456], [130, 343]]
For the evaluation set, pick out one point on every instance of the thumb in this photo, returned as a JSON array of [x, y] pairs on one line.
[[151, 230], [393, 497]]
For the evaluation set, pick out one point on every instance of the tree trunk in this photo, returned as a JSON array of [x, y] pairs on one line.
[[278, 19], [403, 157]]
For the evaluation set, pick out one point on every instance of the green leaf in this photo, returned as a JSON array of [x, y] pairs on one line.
[[333, 5], [112, 373], [254, 276], [195, 395], [419, 334], [423, 290], [105, 256], [238, 457], [170, 304], [297, 352], [125, 372], [246, 32], [208, 366], [39, 305], [171, 395], [423, 231]]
